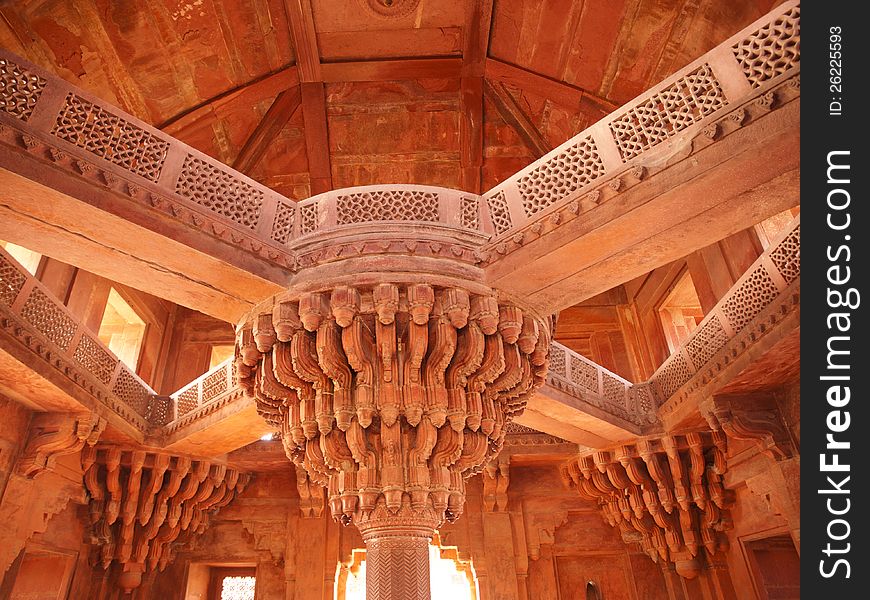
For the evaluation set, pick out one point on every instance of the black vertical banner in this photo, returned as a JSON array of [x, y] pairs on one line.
[[835, 365]]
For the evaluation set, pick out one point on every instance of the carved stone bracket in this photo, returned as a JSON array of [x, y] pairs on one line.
[[666, 494], [394, 390], [144, 505], [496, 478], [270, 536], [541, 529], [754, 419], [311, 495], [57, 434]]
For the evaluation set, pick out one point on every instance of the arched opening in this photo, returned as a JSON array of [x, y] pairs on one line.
[[451, 576]]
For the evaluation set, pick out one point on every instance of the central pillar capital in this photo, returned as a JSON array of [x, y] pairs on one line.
[[406, 522], [392, 381]]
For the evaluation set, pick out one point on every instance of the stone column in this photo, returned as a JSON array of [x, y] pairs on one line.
[[392, 392], [397, 552]]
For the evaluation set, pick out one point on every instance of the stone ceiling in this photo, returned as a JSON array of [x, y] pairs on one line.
[[393, 81]]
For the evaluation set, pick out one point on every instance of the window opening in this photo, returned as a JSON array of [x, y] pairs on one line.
[[220, 353], [122, 330], [680, 312], [232, 583], [26, 258]]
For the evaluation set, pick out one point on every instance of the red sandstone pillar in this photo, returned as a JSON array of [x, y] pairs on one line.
[[397, 552]]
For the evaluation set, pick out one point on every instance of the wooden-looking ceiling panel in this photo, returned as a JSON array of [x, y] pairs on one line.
[[394, 132], [69, 38], [646, 29], [533, 34], [222, 136], [247, 39], [284, 166], [331, 16], [152, 59], [593, 42], [504, 151], [556, 123], [703, 25], [391, 43]]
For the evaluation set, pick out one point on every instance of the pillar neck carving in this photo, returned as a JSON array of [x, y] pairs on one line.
[[143, 505], [392, 393], [666, 494]]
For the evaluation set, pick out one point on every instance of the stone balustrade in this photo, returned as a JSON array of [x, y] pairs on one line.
[[42, 326], [77, 132], [577, 375], [648, 129], [89, 138], [203, 396], [45, 326], [765, 294]]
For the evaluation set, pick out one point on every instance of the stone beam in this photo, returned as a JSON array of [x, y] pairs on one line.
[[86, 184], [279, 113], [670, 172], [512, 114], [651, 220]]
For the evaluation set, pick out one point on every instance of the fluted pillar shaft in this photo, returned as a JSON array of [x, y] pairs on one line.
[[397, 567], [397, 551]]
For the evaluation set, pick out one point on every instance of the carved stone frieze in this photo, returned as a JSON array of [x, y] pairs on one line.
[[665, 494]]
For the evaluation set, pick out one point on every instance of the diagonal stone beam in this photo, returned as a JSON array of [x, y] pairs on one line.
[[677, 168]]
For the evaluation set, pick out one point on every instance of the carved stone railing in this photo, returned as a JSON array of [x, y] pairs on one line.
[[203, 396], [90, 139], [47, 330], [73, 130], [379, 203], [765, 294], [771, 284], [771, 280], [639, 137], [580, 377]]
